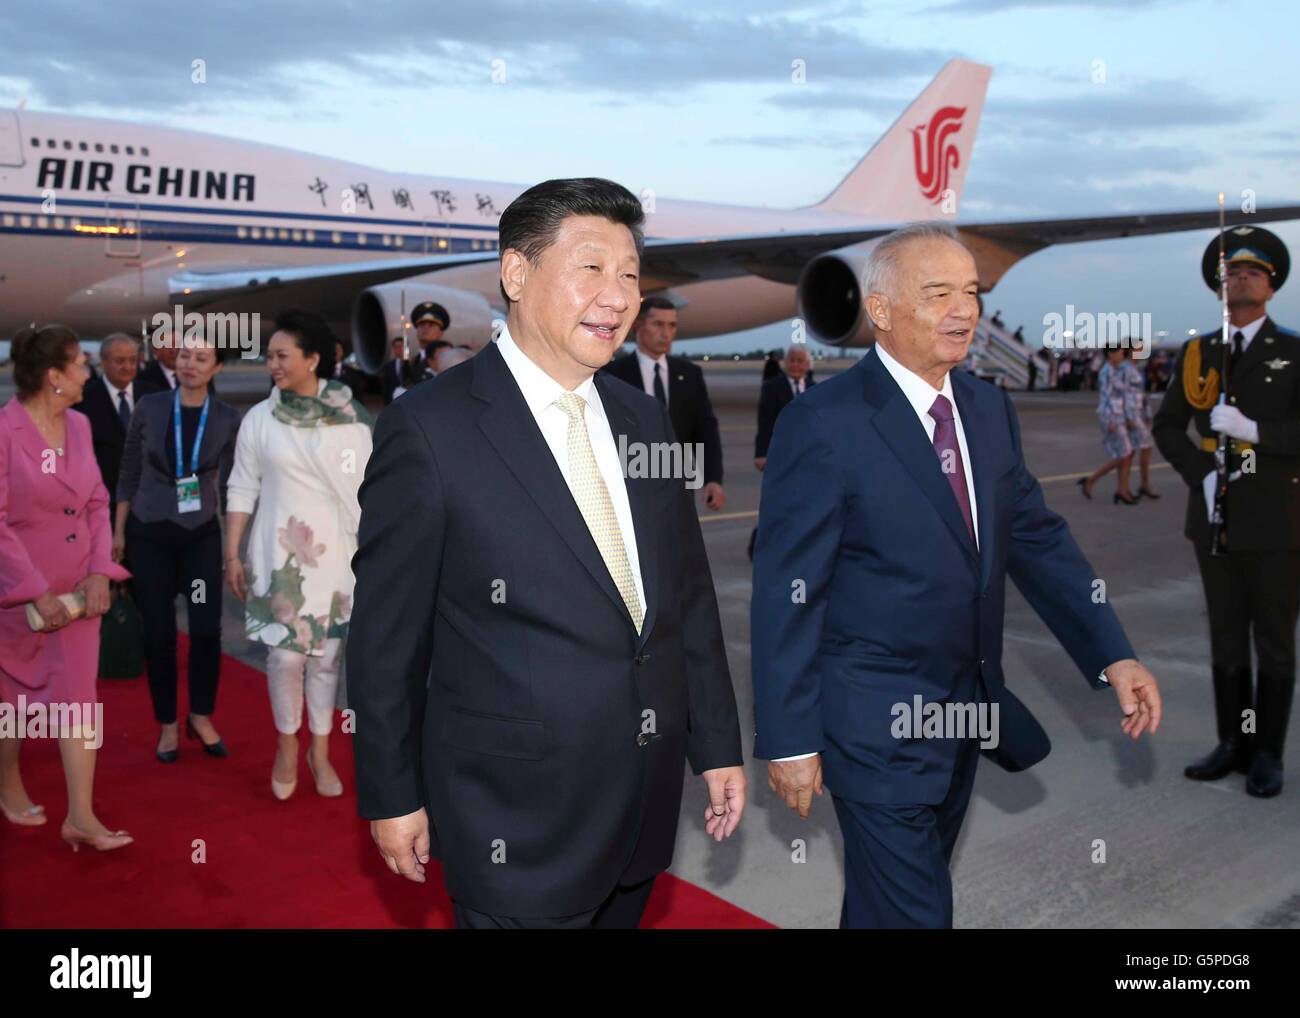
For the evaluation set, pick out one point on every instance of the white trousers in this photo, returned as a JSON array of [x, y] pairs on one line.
[[289, 673]]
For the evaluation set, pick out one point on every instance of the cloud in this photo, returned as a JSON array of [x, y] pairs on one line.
[[288, 51]]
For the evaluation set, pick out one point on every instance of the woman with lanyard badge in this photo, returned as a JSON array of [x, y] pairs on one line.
[[179, 451], [301, 455]]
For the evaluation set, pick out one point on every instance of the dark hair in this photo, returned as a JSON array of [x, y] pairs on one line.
[[35, 351], [530, 222], [436, 345], [654, 304], [312, 336]]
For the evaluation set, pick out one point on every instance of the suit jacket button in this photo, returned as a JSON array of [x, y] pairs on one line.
[[643, 739], [642, 658], [69, 512], [71, 537]]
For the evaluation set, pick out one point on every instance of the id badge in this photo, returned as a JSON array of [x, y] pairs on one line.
[[187, 494]]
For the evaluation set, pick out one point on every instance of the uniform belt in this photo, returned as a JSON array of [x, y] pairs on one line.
[[1212, 445]]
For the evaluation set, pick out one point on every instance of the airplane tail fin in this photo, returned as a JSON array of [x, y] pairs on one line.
[[917, 168]]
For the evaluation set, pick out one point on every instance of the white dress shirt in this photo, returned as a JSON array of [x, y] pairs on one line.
[[921, 394], [647, 365], [113, 394], [1247, 331], [540, 392]]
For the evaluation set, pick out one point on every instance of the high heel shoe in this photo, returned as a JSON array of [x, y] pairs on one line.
[[32, 816], [103, 842], [217, 748], [331, 790], [283, 789], [1082, 482], [1147, 493], [1126, 500]]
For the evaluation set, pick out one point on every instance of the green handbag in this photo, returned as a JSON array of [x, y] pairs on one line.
[[121, 637]]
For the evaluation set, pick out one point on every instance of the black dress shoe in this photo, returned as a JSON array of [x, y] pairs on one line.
[[217, 748], [169, 755], [1265, 779], [1221, 761]]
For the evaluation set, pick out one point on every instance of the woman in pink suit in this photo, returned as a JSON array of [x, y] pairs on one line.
[[54, 539]]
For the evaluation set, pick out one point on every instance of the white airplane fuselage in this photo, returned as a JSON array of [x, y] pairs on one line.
[[96, 217]]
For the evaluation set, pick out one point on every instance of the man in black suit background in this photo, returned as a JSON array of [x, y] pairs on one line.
[[777, 391], [793, 376], [677, 383], [535, 650], [109, 400], [395, 373], [160, 372]]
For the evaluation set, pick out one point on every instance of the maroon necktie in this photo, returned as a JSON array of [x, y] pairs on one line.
[[945, 444]]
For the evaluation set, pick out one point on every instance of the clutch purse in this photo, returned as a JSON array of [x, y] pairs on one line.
[[75, 603]]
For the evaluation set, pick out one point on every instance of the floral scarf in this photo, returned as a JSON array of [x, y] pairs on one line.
[[334, 404]]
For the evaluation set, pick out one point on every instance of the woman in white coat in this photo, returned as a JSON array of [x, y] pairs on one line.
[[300, 459]]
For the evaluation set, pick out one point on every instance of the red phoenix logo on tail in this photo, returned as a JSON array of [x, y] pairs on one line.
[[940, 154]]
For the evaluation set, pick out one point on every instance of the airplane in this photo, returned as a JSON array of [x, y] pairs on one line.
[[104, 224]]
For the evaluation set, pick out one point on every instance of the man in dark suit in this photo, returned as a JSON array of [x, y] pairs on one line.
[[109, 401], [895, 504], [677, 383], [777, 391], [793, 376], [431, 321], [347, 374], [395, 373], [1252, 579], [160, 372], [535, 650]]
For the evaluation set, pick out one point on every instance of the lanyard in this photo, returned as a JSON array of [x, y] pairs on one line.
[[198, 435]]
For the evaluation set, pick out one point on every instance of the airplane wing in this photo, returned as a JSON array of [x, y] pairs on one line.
[[667, 262]]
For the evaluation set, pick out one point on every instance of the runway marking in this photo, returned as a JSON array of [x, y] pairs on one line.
[[750, 514]]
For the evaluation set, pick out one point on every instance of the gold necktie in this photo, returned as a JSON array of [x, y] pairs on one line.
[[594, 503]]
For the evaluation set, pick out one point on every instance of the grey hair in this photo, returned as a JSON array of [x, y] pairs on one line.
[[878, 276], [117, 337], [450, 356]]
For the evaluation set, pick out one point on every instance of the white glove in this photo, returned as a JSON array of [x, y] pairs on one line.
[[1233, 423], [1208, 485]]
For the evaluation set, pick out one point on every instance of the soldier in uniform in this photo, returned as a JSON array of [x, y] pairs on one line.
[[431, 321], [1252, 586]]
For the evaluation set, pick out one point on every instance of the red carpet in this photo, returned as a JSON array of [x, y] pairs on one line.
[[307, 862]]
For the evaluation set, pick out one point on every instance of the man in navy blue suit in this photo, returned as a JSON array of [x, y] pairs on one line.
[[895, 504]]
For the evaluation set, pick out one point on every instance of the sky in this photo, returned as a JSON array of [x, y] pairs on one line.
[[1106, 107]]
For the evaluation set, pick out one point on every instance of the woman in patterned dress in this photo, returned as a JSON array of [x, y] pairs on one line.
[[1137, 418], [1114, 428], [299, 460]]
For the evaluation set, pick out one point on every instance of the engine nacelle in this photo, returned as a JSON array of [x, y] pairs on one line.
[[830, 298], [377, 319]]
